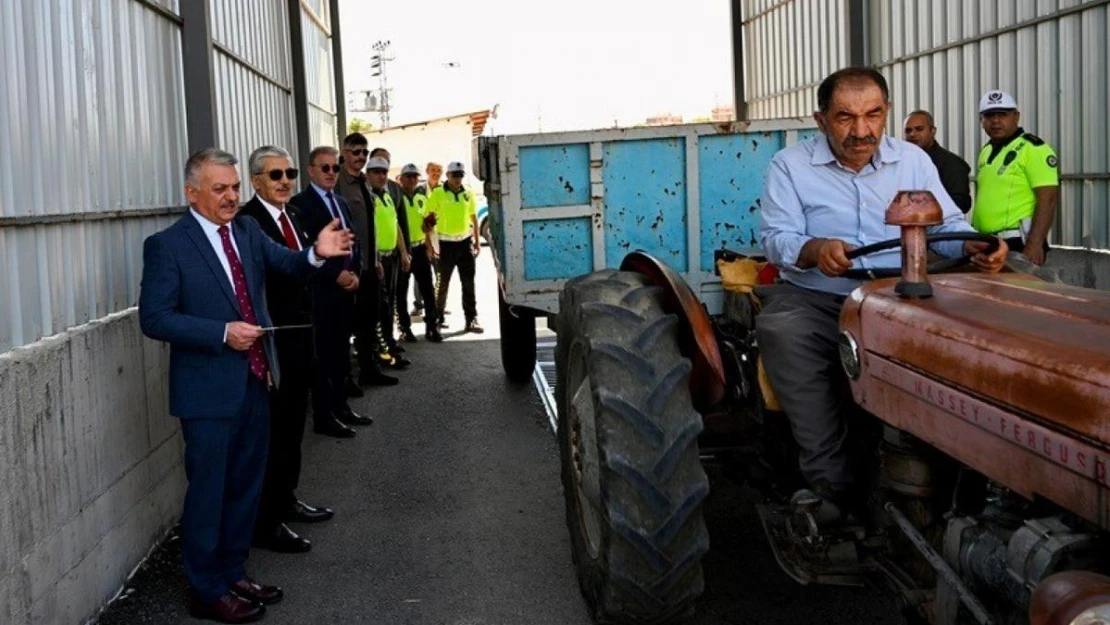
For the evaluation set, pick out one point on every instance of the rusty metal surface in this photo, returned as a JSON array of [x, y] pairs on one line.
[[1035, 347], [1062, 597], [1027, 458], [914, 208], [696, 337]]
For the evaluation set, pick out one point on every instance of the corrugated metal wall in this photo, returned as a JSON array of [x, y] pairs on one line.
[[91, 122], [942, 55], [319, 72], [93, 138], [789, 47], [254, 93]]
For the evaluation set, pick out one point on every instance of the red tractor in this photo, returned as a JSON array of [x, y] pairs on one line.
[[983, 418]]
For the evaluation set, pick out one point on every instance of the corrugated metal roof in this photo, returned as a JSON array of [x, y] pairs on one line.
[[478, 121]]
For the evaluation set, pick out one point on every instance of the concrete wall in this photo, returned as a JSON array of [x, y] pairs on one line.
[[1080, 267], [90, 468]]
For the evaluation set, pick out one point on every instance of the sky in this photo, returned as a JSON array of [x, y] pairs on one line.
[[566, 65]]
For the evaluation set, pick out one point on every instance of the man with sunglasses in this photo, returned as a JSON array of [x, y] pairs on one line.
[[455, 208], [354, 188], [333, 296], [274, 178]]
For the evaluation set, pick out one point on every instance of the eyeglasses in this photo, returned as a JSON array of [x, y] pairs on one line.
[[328, 168], [275, 174], [362, 152]]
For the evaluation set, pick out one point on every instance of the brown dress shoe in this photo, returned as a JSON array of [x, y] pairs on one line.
[[230, 608], [259, 593]]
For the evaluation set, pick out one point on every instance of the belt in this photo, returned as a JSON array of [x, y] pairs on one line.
[[454, 238]]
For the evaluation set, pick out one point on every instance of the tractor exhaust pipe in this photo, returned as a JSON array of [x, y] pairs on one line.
[[914, 212]]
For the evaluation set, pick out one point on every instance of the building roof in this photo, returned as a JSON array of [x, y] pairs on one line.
[[478, 121]]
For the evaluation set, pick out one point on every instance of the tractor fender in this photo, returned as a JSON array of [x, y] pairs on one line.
[[697, 339]]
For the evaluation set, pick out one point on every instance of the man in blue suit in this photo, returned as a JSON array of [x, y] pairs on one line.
[[333, 297], [203, 292]]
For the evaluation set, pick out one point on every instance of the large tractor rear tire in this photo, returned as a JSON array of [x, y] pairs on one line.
[[628, 433]]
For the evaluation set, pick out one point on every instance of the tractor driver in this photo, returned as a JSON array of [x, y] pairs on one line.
[[823, 197]]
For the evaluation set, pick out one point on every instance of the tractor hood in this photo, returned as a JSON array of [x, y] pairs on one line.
[[1007, 373]]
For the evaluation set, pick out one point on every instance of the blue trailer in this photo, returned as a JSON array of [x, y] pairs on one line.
[[563, 205]]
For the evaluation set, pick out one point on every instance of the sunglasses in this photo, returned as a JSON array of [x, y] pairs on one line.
[[328, 168], [362, 152], [276, 174], [456, 174]]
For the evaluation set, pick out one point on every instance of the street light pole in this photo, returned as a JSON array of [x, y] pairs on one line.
[[378, 64]]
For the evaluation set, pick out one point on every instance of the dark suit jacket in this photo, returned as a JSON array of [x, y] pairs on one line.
[[315, 216], [287, 298], [954, 175], [186, 300]]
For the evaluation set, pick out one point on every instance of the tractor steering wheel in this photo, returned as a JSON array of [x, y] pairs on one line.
[[937, 267]]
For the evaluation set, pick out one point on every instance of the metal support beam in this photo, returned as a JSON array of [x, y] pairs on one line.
[[739, 99], [200, 89], [857, 33], [300, 83], [337, 67]]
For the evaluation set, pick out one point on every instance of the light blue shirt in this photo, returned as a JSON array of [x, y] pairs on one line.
[[332, 204], [810, 195]]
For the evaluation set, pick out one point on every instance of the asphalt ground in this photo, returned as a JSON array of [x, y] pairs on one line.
[[449, 511]]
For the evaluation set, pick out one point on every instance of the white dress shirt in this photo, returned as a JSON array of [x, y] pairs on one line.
[[276, 213], [212, 231]]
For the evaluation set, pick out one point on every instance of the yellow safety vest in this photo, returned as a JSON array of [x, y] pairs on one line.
[[385, 222], [416, 209], [1004, 184], [453, 212]]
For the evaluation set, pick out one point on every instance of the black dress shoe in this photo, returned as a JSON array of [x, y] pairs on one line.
[[400, 362], [247, 588], [396, 349], [472, 325], [408, 337], [283, 540], [332, 427], [377, 378], [230, 608], [433, 335], [301, 512], [350, 417], [353, 389]]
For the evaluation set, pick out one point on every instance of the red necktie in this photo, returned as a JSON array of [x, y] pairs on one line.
[[287, 230], [255, 355]]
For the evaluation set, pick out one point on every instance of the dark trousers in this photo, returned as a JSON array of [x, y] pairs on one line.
[[387, 293], [225, 460], [454, 254], [288, 410], [333, 322], [421, 273], [797, 333], [366, 322]]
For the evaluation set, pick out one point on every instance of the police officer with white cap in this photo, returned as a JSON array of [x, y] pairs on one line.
[[1018, 180], [455, 208], [422, 248]]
